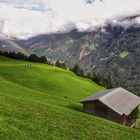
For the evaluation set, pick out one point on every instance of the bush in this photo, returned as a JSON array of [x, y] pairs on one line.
[[78, 70], [60, 64]]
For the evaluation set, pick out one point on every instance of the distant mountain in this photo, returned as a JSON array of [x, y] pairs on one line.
[[8, 45], [111, 55]]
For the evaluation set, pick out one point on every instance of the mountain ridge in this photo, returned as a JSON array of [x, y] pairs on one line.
[[109, 55]]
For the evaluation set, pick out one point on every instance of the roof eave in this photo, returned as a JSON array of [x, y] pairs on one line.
[[85, 101]]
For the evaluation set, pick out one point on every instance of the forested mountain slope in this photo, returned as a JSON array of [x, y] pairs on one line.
[[111, 55]]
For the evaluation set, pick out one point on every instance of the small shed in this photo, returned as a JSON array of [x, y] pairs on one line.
[[118, 105]]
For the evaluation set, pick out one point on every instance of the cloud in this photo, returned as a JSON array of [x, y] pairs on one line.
[[28, 18]]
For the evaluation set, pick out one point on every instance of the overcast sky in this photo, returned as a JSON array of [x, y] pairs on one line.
[[26, 18]]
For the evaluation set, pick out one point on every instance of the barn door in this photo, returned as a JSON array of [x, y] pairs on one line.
[[124, 120]]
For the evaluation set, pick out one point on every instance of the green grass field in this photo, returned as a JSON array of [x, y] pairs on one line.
[[42, 103]]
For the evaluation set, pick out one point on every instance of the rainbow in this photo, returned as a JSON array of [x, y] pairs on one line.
[[13, 44]]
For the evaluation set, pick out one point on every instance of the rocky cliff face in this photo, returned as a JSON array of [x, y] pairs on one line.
[[112, 55]]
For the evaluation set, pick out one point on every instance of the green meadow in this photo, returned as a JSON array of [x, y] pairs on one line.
[[43, 103]]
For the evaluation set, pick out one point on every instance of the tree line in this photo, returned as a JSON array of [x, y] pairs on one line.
[[32, 58], [20, 56], [106, 82]]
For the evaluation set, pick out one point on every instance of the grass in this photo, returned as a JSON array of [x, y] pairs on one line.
[[42, 103], [124, 54]]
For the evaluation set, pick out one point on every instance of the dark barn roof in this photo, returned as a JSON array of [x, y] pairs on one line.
[[119, 100]]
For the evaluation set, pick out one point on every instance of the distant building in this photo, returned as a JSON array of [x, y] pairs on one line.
[[118, 105]]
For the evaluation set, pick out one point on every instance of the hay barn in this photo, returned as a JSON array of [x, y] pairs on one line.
[[118, 105]]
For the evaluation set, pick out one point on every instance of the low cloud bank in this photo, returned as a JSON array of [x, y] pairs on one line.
[[24, 19]]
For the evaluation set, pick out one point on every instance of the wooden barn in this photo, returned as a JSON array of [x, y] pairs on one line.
[[118, 105]]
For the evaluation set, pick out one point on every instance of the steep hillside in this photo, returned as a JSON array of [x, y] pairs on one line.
[[110, 55], [42, 102]]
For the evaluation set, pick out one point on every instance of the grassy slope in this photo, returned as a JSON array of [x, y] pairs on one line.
[[42, 103]]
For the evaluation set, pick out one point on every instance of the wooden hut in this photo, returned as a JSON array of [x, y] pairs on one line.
[[118, 105]]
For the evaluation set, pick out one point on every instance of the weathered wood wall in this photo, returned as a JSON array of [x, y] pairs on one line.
[[99, 109]]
